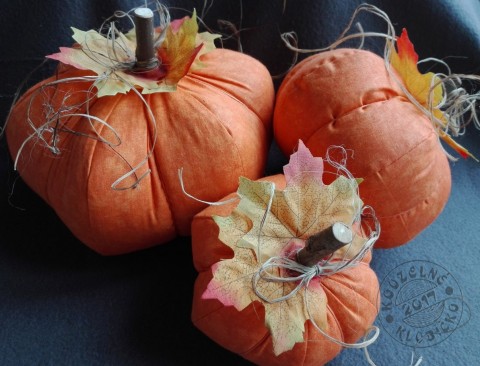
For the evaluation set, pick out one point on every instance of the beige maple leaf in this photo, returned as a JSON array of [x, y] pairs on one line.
[[113, 58], [268, 223]]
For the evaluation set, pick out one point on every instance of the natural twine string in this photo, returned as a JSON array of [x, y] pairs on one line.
[[55, 120], [189, 195], [233, 199], [48, 131]]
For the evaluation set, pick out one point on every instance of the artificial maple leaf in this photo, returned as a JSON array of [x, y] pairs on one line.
[[113, 59], [418, 84], [425, 88], [105, 58], [264, 225], [179, 49]]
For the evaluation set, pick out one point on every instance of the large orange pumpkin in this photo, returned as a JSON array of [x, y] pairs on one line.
[[347, 97], [351, 296], [215, 126]]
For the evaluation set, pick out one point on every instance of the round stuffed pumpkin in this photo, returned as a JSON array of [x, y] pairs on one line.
[[352, 303], [346, 97], [215, 126]]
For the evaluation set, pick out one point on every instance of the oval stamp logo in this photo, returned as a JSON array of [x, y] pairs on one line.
[[421, 303]]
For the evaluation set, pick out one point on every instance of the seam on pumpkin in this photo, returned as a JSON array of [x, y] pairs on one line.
[[388, 189], [376, 172], [208, 267], [203, 317], [262, 340], [337, 283], [225, 128], [203, 80], [374, 306], [207, 108], [427, 137], [344, 115], [195, 75], [406, 211], [69, 137], [334, 119], [330, 59], [334, 317], [160, 168], [389, 98], [394, 201], [95, 151], [27, 98], [306, 63]]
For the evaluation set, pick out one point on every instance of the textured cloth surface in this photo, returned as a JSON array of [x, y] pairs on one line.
[[62, 304]]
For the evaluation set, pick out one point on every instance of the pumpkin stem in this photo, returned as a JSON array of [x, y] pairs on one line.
[[324, 243], [146, 58]]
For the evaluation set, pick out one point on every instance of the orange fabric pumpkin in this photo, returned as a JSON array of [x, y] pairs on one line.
[[346, 97], [351, 300], [215, 125]]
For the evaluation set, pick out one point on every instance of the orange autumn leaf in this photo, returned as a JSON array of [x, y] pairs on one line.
[[464, 153], [179, 49], [419, 85], [427, 88]]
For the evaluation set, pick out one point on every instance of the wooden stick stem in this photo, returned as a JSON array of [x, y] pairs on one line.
[[146, 58], [324, 243]]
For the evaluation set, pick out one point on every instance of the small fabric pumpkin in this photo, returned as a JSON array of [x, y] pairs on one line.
[[350, 97], [101, 141], [254, 298]]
